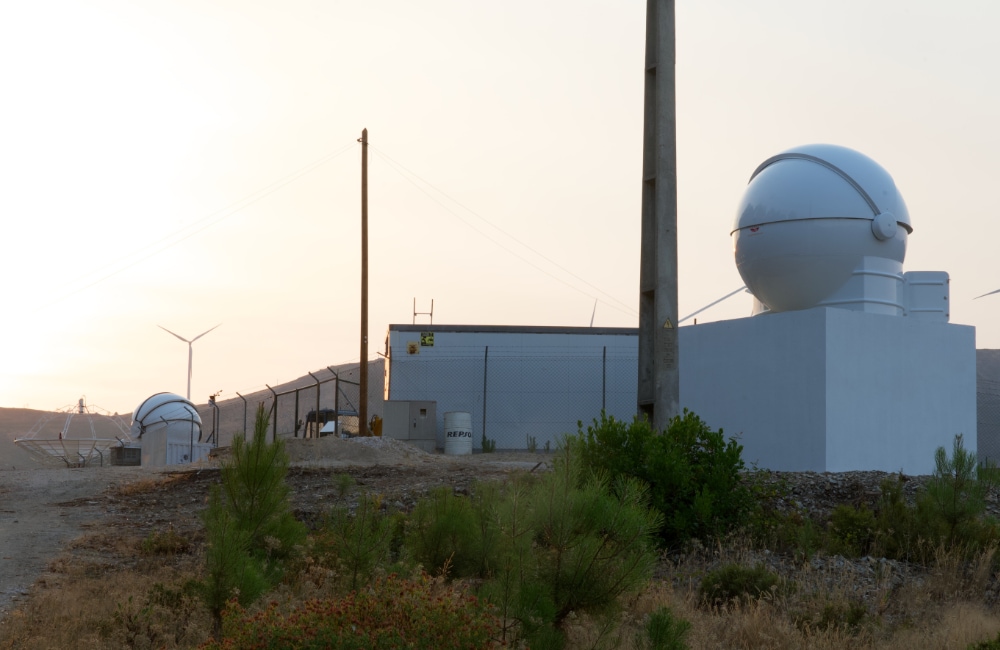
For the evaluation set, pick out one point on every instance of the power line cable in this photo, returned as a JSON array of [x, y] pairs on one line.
[[195, 228], [397, 167]]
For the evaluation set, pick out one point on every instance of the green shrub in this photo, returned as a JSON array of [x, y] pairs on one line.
[[253, 483], [249, 525], [897, 529], [343, 483], [360, 541], [541, 546], [949, 513], [168, 542], [692, 471], [737, 583], [441, 531], [232, 571], [951, 508], [389, 613], [833, 614], [852, 530], [850, 615], [489, 445], [665, 632], [808, 539], [989, 644], [593, 538]]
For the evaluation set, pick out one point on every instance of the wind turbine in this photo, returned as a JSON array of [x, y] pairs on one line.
[[190, 351]]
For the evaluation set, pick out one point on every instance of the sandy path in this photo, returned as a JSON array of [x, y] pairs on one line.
[[37, 520]]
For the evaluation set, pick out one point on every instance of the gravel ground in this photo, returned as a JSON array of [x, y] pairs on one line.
[[43, 509]]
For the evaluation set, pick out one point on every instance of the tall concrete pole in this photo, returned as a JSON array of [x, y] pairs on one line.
[[363, 380], [659, 380]]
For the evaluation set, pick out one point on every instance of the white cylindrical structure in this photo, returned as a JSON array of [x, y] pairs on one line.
[[457, 433]]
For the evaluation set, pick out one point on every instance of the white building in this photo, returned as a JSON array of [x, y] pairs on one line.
[[847, 363], [517, 383]]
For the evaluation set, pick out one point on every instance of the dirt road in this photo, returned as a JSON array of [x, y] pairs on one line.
[[37, 518]]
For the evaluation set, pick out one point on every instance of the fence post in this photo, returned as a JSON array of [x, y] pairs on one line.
[[336, 397], [216, 423], [244, 415], [317, 407], [295, 419], [486, 359], [274, 414]]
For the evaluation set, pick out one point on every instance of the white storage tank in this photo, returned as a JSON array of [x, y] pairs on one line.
[[457, 433]]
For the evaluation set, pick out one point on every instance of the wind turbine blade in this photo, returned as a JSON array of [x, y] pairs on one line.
[[204, 333], [169, 332], [987, 294], [593, 313]]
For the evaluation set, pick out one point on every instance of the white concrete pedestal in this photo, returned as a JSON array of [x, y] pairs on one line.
[[829, 389]]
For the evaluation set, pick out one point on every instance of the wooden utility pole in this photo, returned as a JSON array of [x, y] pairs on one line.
[[659, 377], [363, 380]]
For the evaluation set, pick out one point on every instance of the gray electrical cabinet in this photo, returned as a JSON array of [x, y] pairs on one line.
[[414, 422]]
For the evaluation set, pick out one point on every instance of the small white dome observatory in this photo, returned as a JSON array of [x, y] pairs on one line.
[[166, 412], [823, 225], [169, 429]]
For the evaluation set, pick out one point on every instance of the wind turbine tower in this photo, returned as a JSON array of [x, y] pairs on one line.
[[190, 351]]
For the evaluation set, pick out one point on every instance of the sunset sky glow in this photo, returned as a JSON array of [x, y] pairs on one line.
[[186, 163]]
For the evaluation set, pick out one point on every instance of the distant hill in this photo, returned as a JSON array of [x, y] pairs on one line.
[[17, 423], [233, 411], [14, 423]]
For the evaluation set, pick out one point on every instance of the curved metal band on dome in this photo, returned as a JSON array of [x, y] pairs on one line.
[[819, 161], [142, 419]]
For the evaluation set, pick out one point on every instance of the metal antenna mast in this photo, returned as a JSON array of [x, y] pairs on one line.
[[659, 378], [423, 313], [190, 351]]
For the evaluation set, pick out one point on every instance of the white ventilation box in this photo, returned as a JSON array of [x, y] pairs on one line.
[[414, 422]]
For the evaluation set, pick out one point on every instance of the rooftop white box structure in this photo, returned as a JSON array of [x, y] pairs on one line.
[[834, 390]]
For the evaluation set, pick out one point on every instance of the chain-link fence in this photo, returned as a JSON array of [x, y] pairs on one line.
[[517, 400], [988, 420], [299, 408]]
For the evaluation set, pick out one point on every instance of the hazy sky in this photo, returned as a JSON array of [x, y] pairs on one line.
[[189, 163]]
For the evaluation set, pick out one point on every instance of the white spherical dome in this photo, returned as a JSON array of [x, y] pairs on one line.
[[166, 410], [822, 225]]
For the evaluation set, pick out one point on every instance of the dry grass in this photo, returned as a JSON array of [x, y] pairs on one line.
[[121, 587], [772, 626], [105, 593], [147, 485], [944, 607]]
